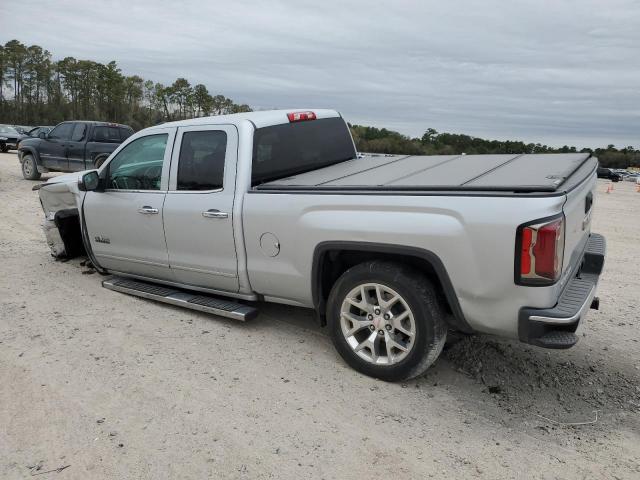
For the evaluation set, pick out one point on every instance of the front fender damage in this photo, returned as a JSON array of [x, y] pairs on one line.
[[60, 200]]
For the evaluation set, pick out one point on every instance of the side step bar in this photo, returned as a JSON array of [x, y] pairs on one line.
[[182, 298]]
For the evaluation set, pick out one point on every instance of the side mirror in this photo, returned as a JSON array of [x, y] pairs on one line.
[[89, 182], [42, 135]]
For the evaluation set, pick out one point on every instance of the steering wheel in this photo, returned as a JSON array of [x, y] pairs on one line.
[[151, 175], [126, 182]]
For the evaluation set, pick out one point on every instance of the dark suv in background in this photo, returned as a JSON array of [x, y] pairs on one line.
[[609, 174], [70, 147]]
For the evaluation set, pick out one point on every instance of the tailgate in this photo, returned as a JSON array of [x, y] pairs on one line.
[[578, 210]]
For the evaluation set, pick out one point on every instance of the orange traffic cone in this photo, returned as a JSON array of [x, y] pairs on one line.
[[612, 186], [609, 188]]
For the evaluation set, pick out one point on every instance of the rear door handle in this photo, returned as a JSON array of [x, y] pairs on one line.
[[148, 210], [213, 213]]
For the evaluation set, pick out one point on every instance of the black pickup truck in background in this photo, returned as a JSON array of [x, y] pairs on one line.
[[70, 147]]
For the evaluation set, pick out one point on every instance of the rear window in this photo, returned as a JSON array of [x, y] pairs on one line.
[[283, 150]]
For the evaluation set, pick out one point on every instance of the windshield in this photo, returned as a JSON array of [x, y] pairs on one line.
[[289, 149], [7, 129]]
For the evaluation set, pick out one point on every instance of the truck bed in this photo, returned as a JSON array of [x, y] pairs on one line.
[[525, 173]]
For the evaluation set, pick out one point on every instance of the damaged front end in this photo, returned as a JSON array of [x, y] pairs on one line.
[[61, 201]]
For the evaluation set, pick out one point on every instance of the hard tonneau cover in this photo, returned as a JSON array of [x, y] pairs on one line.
[[512, 173]]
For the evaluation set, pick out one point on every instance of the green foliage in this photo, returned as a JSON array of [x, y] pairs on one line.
[[381, 140], [36, 90]]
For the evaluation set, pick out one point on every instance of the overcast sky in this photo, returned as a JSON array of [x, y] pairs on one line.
[[558, 72]]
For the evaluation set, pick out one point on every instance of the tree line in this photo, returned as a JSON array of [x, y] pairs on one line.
[[35, 89], [381, 140]]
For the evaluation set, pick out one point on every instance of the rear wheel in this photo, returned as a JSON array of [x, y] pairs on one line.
[[99, 161], [386, 320], [4, 148], [29, 168]]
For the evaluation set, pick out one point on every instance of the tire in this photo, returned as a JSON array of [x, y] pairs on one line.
[[29, 168], [424, 320], [99, 161], [4, 148]]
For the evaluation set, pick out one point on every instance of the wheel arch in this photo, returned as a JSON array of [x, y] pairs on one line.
[[332, 258], [29, 151]]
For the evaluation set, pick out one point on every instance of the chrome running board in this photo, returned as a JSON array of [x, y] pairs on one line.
[[182, 298]]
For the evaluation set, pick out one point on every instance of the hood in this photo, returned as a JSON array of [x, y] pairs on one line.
[[27, 141], [71, 178]]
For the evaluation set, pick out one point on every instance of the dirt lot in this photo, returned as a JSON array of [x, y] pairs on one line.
[[119, 387]]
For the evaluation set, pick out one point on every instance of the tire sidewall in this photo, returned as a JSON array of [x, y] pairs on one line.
[[99, 161], [25, 159], [423, 312]]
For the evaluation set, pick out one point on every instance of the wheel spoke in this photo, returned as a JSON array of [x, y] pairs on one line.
[[357, 324], [401, 329], [379, 295], [389, 347], [369, 343], [393, 343], [356, 304]]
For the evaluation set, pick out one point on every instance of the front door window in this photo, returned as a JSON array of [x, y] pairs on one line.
[[138, 166]]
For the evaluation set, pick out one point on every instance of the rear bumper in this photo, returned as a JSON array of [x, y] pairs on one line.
[[555, 327]]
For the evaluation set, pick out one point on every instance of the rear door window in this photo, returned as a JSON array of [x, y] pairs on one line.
[[201, 162], [280, 151]]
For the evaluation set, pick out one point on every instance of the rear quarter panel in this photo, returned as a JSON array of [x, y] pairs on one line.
[[474, 236]]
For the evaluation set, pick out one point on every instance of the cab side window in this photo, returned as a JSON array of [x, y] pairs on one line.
[[62, 131], [138, 166], [105, 134], [201, 162]]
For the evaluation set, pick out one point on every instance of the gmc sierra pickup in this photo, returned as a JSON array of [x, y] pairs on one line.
[[391, 251]]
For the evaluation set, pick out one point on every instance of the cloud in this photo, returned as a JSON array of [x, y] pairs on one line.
[[558, 72]]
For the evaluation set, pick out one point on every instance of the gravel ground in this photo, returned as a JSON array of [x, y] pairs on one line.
[[114, 386]]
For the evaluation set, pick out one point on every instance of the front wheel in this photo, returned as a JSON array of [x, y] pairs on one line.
[[386, 320], [29, 168], [4, 148]]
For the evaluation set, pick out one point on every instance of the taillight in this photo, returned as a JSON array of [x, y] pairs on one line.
[[301, 116], [539, 252]]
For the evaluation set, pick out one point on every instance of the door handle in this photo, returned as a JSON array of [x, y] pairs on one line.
[[148, 210], [213, 213]]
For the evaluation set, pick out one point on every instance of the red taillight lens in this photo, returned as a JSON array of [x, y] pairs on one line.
[[525, 253], [545, 250], [541, 249], [301, 116]]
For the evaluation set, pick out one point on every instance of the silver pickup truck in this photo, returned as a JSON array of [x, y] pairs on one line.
[[218, 213]]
